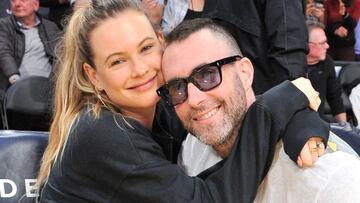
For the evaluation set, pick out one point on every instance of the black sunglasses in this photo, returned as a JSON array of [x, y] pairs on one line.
[[206, 78]]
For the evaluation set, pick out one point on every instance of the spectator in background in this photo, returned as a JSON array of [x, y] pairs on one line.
[[341, 19], [154, 10], [357, 43], [77, 3], [315, 10], [58, 10], [178, 10], [320, 70], [27, 43]]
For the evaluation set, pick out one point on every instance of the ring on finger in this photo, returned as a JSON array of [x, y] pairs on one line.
[[320, 145]]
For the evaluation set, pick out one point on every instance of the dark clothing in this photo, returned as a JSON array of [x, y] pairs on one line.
[[323, 78], [357, 57], [272, 34], [57, 12], [190, 14], [334, 20], [12, 43], [107, 160]]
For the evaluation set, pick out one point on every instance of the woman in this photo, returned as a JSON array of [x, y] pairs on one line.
[[101, 145], [341, 19]]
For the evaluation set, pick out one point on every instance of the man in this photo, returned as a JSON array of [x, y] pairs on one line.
[[27, 43], [212, 115], [320, 70]]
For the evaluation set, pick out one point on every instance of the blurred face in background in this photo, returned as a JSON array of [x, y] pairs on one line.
[[318, 45], [24, 8]]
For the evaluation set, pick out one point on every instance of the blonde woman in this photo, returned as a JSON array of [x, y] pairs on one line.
[[102, 144]]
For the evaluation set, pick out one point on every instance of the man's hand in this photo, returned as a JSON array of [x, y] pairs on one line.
[[313, 149], [305, 86]]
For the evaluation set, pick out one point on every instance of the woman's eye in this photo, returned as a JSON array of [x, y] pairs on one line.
[[145, 48], [116, 62]]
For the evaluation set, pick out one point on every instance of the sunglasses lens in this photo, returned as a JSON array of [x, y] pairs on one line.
[[177, 91], [207, 78]]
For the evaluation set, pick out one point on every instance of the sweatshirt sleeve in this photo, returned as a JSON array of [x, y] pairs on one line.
[[292, 100], [304, 125]]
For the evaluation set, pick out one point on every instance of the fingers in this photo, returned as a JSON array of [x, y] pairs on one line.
[[305, 157], [321, 148], [300, 162], [312, 150]]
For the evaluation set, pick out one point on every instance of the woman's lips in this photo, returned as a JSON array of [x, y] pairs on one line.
[[143, 85]]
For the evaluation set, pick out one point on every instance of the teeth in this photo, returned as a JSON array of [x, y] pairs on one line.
[[209, 114]]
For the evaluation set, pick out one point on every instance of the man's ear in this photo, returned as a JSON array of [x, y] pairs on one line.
[[92, 75], [246, 71], [36, 5]]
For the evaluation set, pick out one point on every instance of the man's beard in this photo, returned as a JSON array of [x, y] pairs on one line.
[[220, 132]]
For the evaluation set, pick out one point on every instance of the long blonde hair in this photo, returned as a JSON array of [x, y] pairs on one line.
[[74, 91]]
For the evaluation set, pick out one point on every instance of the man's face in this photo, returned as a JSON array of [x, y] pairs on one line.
[[24, 8], [318, 44], [212, 115]]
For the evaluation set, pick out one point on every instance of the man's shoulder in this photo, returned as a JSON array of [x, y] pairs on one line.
[[49, 25], [5, 21]]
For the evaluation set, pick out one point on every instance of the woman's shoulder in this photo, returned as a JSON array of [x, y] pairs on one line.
[[106, 124], [112, 132]]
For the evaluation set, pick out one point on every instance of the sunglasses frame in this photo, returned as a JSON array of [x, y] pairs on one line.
[[163, 91]]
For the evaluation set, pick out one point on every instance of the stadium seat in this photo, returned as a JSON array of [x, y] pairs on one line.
[[20, 155], [28, 99]]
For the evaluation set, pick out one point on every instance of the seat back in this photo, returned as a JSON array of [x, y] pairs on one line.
[[20, 155], [349, 74], [28, 96]]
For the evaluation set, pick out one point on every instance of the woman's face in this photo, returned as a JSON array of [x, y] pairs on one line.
[[127, 56]]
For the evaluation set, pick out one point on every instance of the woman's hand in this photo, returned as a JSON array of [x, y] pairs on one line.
[[312, 150]]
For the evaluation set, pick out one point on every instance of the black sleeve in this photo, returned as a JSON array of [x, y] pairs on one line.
[[282, 103], [349, 22], [304, 125], [287, 36], [334, 90]]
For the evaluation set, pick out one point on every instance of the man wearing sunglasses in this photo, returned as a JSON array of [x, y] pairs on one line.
[[209, 85]]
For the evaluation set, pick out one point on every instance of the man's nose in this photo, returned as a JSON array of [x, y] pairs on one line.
[[195, 95]]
